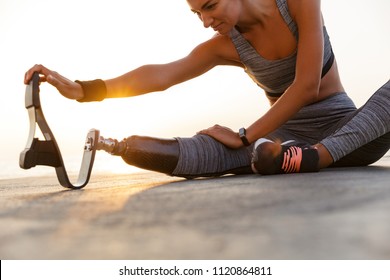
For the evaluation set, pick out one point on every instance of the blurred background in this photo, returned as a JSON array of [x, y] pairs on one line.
[[87, 39]]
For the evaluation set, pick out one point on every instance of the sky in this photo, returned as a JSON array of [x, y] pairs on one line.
[[90, 39]]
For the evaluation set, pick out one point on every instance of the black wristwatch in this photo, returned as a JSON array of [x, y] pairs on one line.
[[242, 134]]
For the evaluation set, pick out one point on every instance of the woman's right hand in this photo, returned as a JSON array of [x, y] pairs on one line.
[[66, 87]]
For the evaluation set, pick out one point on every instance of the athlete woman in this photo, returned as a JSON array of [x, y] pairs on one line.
[[284, 46]]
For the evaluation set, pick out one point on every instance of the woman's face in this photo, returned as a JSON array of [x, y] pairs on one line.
[[221, 15]]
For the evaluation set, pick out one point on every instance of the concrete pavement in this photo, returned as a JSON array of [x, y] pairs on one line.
[[334, 214]]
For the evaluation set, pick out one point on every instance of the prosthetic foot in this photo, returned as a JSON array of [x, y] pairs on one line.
[[289, 157], [46, 152]]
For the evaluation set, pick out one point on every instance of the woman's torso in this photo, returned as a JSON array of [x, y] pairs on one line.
[[268, 53]]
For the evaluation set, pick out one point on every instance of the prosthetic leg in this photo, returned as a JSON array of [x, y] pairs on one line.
[[149, 153]]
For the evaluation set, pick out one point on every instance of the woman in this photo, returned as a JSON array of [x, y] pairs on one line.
[[284, 46]]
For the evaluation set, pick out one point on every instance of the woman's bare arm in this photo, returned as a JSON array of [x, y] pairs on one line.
[[149, 78], [159, 77]]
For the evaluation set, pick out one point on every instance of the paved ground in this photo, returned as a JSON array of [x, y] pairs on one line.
[[333, 214]]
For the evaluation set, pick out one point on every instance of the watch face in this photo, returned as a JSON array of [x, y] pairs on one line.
[[241, 132]]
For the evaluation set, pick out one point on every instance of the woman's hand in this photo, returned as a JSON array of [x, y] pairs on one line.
[[66, 87], [224, 135]]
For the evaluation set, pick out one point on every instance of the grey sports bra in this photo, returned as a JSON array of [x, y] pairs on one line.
[[275, 76]]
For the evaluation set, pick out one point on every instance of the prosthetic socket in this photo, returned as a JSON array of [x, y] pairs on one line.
[[153, 154]]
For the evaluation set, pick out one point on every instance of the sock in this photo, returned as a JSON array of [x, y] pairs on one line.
[[293, 157]]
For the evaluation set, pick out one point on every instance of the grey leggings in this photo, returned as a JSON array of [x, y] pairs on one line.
[[354, 137]]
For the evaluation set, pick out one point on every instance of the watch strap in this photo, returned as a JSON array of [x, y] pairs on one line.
[[242, 134]]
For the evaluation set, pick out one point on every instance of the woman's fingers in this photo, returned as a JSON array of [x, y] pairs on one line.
[[42, 70], [224, 135], [66, 87]]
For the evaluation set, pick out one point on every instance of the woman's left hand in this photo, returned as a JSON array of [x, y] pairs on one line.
[[224, 135]]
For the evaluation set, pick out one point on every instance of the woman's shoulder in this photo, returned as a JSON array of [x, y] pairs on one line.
[[223, 48], [295, 7]]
